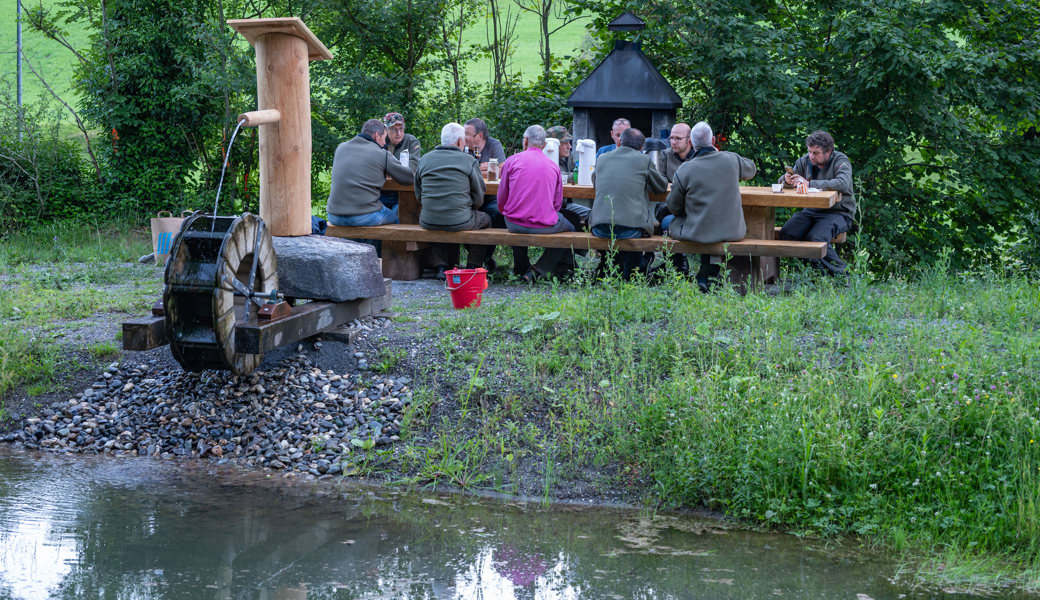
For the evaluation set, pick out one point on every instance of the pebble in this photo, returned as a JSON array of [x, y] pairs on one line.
[[293, 417]]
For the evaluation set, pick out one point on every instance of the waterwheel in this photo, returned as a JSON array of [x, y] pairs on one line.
[[221, 269]]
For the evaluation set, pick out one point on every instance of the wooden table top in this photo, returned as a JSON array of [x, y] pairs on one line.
[[749, 195]]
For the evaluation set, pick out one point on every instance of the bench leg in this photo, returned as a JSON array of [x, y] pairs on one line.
[[752, 272], [399, 263]]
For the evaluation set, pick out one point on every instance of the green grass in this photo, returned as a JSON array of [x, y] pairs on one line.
[[54, 62], [904, 413], [525, 60], [55, 275]]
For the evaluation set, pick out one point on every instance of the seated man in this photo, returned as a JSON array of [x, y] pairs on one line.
[[619, 126], [397, 141], [622, 210], [530, 195], [681, 150], [825, 168], [705, 201], [451, 190], [359, 170], [484, 148]]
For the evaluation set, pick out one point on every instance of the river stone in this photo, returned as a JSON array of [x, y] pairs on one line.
[[324, 268]]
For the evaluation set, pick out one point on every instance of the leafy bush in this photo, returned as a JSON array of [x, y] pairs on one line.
[[42, 175]]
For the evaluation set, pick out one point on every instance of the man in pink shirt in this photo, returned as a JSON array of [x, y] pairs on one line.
[[530, 195]]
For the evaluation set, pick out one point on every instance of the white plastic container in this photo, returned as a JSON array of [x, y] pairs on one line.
[[586, 158], [552, 149], [404, 157]]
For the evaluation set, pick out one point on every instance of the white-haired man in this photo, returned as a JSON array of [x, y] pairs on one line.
[[705, 201], [451, 190], [530, 196]]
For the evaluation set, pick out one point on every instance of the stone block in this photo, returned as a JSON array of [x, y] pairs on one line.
[[325, 268]]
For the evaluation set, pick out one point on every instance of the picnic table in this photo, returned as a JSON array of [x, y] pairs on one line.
[[401, 245]]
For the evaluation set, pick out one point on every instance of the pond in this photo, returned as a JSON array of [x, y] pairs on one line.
[[94, 527]]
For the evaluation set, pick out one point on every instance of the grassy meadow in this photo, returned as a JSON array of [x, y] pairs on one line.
[[55, 63]]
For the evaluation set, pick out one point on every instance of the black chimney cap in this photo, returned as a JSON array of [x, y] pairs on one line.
[[626, 22]]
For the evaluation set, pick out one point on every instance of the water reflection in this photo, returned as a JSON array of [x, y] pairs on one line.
[[88, 528]]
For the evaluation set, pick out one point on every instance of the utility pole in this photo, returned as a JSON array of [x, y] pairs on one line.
[[18, 57]]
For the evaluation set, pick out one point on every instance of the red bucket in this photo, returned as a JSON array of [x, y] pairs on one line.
[[466, 286]]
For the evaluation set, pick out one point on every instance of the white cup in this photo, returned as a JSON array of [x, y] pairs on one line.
[[778, 188]]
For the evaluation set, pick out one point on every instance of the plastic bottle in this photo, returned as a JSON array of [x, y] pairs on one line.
[[404, 157], [575, 174]]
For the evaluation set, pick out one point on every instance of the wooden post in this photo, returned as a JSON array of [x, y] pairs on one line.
[[284, 46]]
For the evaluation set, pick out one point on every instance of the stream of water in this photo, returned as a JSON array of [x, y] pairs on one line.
[[94, 527]]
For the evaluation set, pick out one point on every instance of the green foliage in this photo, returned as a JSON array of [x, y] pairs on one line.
[[42, 175], [934, 102]]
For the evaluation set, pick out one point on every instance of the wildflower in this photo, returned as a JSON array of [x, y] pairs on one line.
[[894, 376]]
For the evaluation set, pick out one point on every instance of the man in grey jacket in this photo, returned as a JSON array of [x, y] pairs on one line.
[[359, 170], [825, 168], [705, 201], [451, 190], [622, 209]]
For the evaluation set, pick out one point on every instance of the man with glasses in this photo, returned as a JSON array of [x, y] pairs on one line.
[[680, 152]]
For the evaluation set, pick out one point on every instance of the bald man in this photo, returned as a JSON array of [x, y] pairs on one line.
[[681, 150]]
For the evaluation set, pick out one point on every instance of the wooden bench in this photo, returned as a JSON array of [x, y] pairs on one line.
[[753, 259], [581, 240]]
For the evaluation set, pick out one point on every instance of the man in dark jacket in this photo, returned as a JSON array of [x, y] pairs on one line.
[[622, 208], [825, 168], [705, 201], [397, 141], [359, 170], [451, 190]]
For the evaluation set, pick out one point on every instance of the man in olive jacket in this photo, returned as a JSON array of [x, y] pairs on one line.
[[705, 199], [449, 186], [825, 168], [622, 209]]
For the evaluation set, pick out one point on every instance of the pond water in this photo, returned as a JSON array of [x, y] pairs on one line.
[[93, 527]]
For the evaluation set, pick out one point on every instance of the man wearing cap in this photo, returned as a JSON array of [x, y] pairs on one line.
[[576, 210], [359, 170], [566, 160], [396, 141]]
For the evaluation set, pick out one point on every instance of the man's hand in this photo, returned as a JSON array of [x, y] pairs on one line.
[[793, 179], [483, 169]]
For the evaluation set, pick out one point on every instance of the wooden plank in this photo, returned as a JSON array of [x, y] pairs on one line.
[[307, 319], [144, 333], [580, 240]]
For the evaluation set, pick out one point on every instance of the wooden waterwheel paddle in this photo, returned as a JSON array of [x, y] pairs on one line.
[[220, 271]]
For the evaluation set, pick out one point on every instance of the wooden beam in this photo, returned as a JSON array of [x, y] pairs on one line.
[[144, 333]]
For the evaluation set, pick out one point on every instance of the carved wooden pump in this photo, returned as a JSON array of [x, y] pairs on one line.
[[284, 46]]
